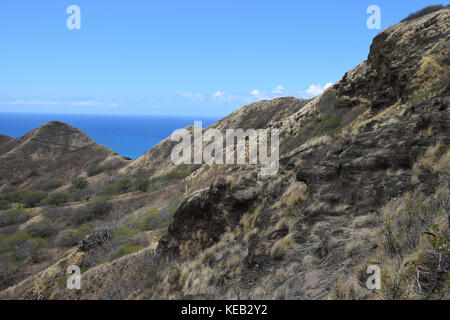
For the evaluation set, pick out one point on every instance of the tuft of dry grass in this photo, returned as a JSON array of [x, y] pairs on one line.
[[297, 192], [280, 248], [365, 221], [353, 246]]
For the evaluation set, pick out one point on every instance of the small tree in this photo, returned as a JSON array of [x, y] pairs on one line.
[[32, 198], [57, 198], [79, 183]]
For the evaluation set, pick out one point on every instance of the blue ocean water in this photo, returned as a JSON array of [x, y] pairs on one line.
[[128, 135]]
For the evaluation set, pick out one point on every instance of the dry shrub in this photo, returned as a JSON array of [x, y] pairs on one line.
[[297, 192], [279, 249]]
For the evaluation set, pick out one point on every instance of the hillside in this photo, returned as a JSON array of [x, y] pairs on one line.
[[52, 151], [363, 180]]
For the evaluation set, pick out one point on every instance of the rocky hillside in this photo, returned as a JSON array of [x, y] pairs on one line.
[[54, 151], [363, 180]]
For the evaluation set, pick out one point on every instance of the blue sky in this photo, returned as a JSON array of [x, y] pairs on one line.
[[196, 57]]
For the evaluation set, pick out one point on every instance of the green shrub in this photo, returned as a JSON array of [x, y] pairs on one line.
[[32, 198], [68, 238], [71, 237], [148, 221], [123, 231], [16, 182], [128, 249], [343, 102], [14, 197], [176, 175], [5, 204], [93, 209], [331, 122], [22, 246], [78, 195], [141, 184], [94, 169], [57, 199], [13, 216], [122, 186], [157, 183], [79, 183], [42, 229], [54, 184]]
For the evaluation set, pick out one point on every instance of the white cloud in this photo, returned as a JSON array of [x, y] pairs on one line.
[[317, 89], [193, 96], [255, 93], [223, 96], [278, 90]]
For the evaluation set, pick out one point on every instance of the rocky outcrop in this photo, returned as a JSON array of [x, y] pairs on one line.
[[203, 217]]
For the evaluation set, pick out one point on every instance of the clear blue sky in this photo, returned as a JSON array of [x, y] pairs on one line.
[[187, 57]]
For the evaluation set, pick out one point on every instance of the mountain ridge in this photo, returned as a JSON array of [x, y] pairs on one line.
[[359, 165]]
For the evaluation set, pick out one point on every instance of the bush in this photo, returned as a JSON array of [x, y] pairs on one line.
[[79, 183], [331, 121], [343, 102], [94, 169], [22, 246], [171, 177], [14, 216], [148, 221], [423, 12], [32, 198], [93, 209], [122, 186], [57, 199], [5, 204], [52, 185], [78, 195], [14, 197], [141, 184], [128, 249], [71, 237], [405, 219], [68, 238], [42, 229]]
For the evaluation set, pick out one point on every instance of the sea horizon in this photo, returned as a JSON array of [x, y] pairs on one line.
[[128, 135]]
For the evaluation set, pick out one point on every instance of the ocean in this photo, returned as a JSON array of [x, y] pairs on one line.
[[128, 135]]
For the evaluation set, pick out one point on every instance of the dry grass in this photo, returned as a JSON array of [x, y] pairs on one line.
[[248, 220], [299, 163], [317, 141], [353, 246], [365, 221], [436, 159], [308, 260], [297, 192], [280, 248], [347, 287], [318, 206]]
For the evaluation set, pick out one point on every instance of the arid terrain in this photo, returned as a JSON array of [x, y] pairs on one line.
[[363, 180]]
